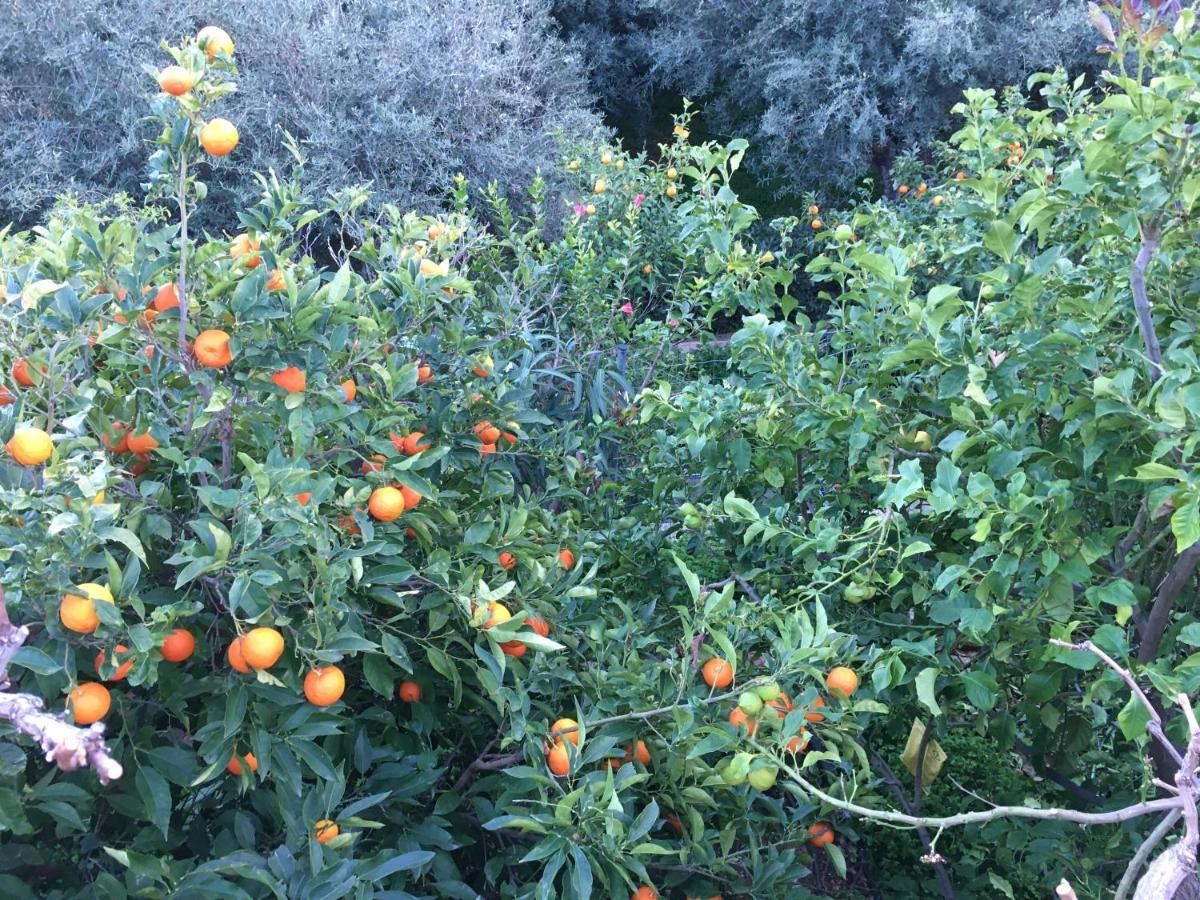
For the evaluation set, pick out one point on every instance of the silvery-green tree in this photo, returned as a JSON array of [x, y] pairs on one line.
[[400, 94], [824, 89]]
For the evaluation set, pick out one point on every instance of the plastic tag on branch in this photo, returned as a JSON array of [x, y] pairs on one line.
[[935, 756]]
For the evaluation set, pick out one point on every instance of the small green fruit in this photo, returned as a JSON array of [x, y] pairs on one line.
[[843, 232], [693, 522], [750, 703], [736, 769], [763, 778], [767, 692], [687, 509]]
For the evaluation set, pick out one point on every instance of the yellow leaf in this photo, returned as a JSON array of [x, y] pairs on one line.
[[935, 756]]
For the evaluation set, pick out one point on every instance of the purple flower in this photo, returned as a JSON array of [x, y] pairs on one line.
[[627, 308], [638, 201]]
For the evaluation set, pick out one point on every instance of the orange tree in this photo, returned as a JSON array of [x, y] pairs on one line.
[[981, 453], [297, 544]]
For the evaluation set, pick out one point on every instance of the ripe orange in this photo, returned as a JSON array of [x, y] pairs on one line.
[[410, 444], [349, 390], [235, 764], [141, 444], [424, 373], [487, 449], [822, 834], [212, 349], [119, 652], [842, 680], [324, 686], [782, 705], [430, 269], [303, 497], [386, 504], [799, 742], [515, 649], [922, 188], [902, 190], [539, 625], [374, 464], [558, 758], [498, 614], [937, 201], [566, 558], [291, 379], [6, 396], [89, 702], [960, 176], [816, 225], [214, 40], [672, 190], [487, 432], [717, 673], [738, 719], [572, 736], [78, 613], [219, 137], [262, 647], [20, 373], [645, 892], [178, 645], [234, 656], [139, 468], [30, 446], [243, 245], [409, 691], [276, 282], [411, 497], [175, 80], [814, 210], [815, 716], [166, 298], [325, 831], [642, 753], [507, 561]]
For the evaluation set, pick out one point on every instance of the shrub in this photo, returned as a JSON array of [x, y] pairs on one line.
[[402, 95], [821, 87]]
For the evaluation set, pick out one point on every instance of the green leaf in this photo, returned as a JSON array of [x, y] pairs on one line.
[[689, 576], [36, 660], [1155, 471], [156, 797], [402, 862], [1185, 522], [123, 536], [925, 681]]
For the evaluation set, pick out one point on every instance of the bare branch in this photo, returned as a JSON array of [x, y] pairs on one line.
[[1141, 302], [1155, 725], [1139, 859]]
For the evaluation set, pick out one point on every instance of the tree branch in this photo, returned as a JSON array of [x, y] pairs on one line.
[[65, 745], [1141, 302], [1139, 859], [890, 779], [1169, 589]]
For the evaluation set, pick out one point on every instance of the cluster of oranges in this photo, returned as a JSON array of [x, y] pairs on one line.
[[217, 136], [90, 702]]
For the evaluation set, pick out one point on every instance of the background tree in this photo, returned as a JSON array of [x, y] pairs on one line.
[[401, 95]]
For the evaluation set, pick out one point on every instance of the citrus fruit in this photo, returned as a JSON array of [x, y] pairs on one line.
[[235, 764], [276, 282], [212, 349], [262, 647], [30, 446], [763, 778], [566, 559], [815, 716], [120, 652], [645, 892], [219, 137], [78, 613], [325, 831], [822, 834], [349, 390], [558, 758], [324, 686], [291, 379], [718, 673], [89, 702], [175, 80], [234, 656], [245, 246], [141, 443], [739, 720], [498, 614], [386, 504], [572, 736], [539, 625], [409, 691], [165, 298], [507, 561], [842, 680], [750, 703], [214, 40], [515, 649], [178, 645]]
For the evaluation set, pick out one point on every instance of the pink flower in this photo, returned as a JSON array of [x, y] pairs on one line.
[[674, 323], [638, 201], [580, 209], [627, 308]]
